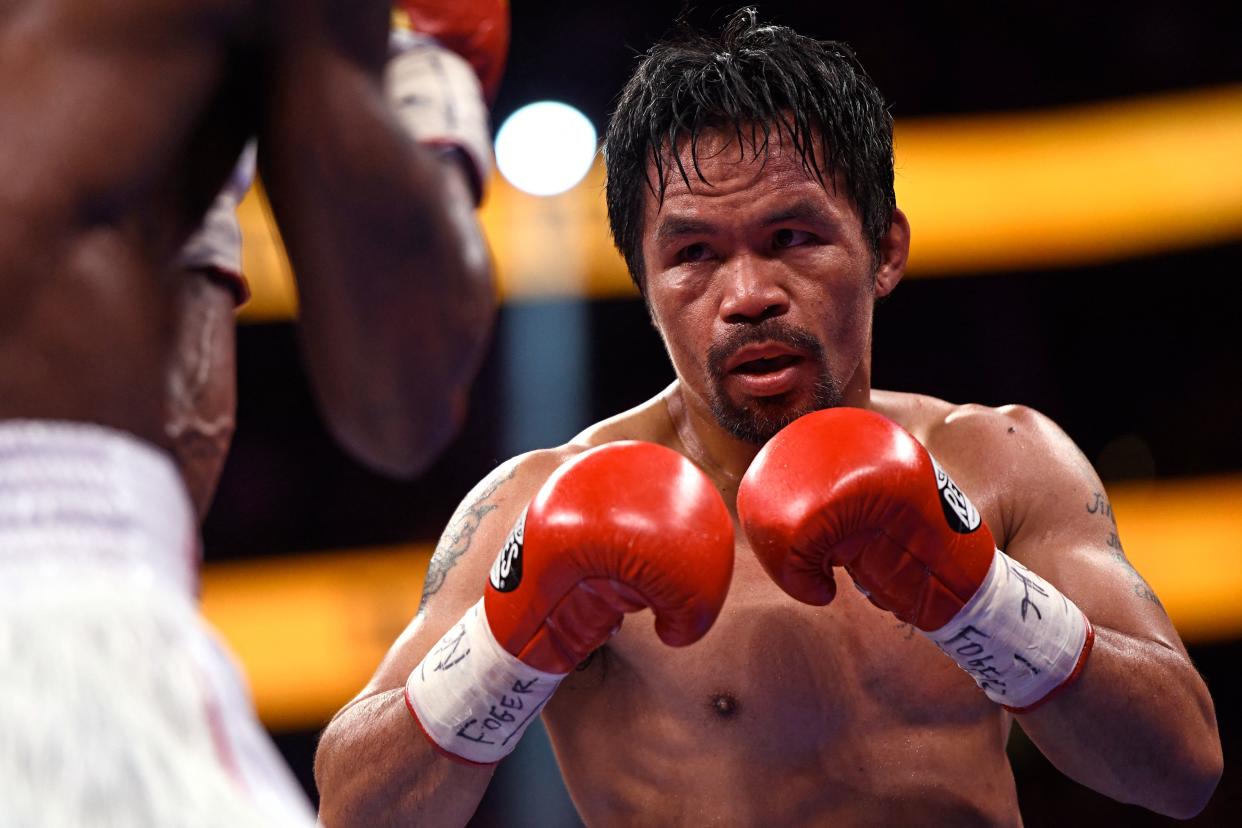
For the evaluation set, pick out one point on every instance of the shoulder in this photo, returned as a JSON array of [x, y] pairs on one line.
[[1009, 434], [514, 481], [963, 431], [1012, 460], [477, 528], [521, 476], [647, 421]]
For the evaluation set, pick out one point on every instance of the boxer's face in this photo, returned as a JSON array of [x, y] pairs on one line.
[[762, 284]]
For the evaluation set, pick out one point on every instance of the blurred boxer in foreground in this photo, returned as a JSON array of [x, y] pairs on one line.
[[444, 67], [122, 123], [750, 189]]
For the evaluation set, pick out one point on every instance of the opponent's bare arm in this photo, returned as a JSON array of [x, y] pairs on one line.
[[395, 285], [373, 766], [1138, 725]]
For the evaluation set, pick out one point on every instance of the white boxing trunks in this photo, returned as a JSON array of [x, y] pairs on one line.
[[118, 706]]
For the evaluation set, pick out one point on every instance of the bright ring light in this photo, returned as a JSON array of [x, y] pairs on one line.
[[545, 148]]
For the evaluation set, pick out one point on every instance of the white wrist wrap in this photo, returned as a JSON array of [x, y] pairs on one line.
[[471, 697], [217, 243], [438, 99], [1018, 637]]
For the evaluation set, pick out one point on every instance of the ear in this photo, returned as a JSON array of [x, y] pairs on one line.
[[894, 251]]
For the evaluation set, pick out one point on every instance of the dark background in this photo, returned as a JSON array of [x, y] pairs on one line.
[[1142, 353]]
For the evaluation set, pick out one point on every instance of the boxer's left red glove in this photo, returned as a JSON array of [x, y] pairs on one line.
[[847, 487]]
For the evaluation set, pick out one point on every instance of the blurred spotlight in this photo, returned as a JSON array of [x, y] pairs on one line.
[[545, 148]]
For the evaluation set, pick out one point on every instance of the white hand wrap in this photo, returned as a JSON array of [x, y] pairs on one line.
[[1019, 638], [472, 698], [217, 244], [439, 100]]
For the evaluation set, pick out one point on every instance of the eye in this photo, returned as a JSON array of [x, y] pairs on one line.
[[788, 237], [696, 252]]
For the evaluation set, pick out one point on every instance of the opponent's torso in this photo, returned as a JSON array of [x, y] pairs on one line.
[[784, 714], [121, 120]]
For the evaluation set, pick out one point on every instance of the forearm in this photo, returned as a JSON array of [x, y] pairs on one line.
[[202, 383], [394, 281], [374, 768], [394, 335], [1138, 725]]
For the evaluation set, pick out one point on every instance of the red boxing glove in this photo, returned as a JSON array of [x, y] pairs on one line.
[[619, 528], [478, 30], [848, 487]]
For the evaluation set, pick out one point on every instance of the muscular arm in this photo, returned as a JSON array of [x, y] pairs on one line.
[[373, 766], [393, 275], [1138, 725]]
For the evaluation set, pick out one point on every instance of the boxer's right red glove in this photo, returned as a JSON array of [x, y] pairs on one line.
[[620, 527]]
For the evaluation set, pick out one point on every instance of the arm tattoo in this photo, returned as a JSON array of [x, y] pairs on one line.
[[1100, 505], [458, 537], [907, 627]]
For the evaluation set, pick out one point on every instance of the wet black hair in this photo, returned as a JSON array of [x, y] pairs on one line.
[[755, 79]]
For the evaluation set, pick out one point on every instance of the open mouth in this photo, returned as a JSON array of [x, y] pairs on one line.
[[766, 365], [765, 370]]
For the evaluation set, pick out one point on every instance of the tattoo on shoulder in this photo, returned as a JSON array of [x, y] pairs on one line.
[[459, 535], [1100, 505], [1143, 590]]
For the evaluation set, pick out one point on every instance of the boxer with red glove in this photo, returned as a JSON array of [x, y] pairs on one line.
[[445, 64], [621, 527], [847, 487]]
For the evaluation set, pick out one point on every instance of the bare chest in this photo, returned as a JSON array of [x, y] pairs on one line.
[[791, 675], [844, 710]]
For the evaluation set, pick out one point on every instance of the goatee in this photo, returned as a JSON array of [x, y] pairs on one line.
[[760, 418]]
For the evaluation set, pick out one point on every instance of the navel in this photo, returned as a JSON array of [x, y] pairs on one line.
[[724, 706]]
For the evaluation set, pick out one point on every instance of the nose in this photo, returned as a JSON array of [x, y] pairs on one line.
[[753, 291]]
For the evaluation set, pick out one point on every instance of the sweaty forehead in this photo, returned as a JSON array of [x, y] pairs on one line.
[[721, 160], [735, 177]]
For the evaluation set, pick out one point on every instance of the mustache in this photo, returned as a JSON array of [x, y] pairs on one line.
[[769, 330]]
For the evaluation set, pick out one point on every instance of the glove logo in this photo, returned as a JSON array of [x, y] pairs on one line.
[[960, 513], [506, 572]]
